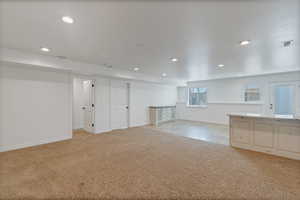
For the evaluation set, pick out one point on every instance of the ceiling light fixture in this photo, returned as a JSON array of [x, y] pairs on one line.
[[244, 42], [67, 19], [164, 74], [221, 65], [174, 59], [136, 69], [45, 49]]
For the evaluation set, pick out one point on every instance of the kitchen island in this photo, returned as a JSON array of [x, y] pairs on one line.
[[160, 114], [273, 134]]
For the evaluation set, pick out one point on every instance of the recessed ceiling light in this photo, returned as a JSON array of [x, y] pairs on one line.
[[221, 65], [68, 19], [45, 49], [164, 74], [174, 59], [244, 42], [136, 69]]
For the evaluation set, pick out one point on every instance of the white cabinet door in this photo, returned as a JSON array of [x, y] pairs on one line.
[[241, 131], [288, 138], [263, 134]]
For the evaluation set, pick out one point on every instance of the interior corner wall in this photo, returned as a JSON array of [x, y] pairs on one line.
[[35, 106], [142, 95]]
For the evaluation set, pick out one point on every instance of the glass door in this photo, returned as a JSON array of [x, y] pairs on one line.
[[283, 99]]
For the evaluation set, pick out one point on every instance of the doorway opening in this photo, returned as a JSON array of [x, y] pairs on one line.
[[83, 106]]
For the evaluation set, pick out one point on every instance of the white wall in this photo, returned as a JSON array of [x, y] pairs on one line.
[[102, 105], [227, 95], [35, 106], [214, 113], [78, 102], [141, 96]]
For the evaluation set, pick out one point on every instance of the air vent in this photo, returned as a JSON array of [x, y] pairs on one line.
[[287, 43], [61, 57], [108, 66]]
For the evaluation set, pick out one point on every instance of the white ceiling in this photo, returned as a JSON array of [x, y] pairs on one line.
[[126, 34]]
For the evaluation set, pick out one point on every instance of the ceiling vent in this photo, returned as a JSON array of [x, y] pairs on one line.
[[107, 66], [61, 57], [287, 43]]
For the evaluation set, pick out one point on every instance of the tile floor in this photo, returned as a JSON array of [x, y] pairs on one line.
[[209, 132]]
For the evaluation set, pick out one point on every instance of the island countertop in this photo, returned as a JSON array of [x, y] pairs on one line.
[[162, 106], [272, 134], [264, 116]]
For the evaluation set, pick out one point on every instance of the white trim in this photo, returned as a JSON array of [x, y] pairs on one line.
[[14, 56], [244, 76], [223, 102], [237, 102], [104, 131], [196, 106], [34, 143]]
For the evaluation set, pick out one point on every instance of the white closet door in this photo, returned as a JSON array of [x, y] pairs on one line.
[[88, 94], [119, 104]]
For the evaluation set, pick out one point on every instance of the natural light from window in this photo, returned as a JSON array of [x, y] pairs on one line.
[[197, 97]]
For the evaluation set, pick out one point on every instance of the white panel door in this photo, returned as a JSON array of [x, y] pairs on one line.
[[119, 104], [88, 108]]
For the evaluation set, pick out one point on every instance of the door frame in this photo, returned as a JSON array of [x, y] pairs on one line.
[[128, 104], [83, 78], [92, 102]]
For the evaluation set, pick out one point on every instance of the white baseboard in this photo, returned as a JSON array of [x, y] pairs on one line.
[[103, 131], [203, 121], [139, 124], [35, 143], [78, 129]]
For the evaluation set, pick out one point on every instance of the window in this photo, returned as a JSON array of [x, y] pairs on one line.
[[252, 93], [197, 96]]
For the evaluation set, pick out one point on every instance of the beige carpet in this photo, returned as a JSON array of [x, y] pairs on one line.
[[142, 163]]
